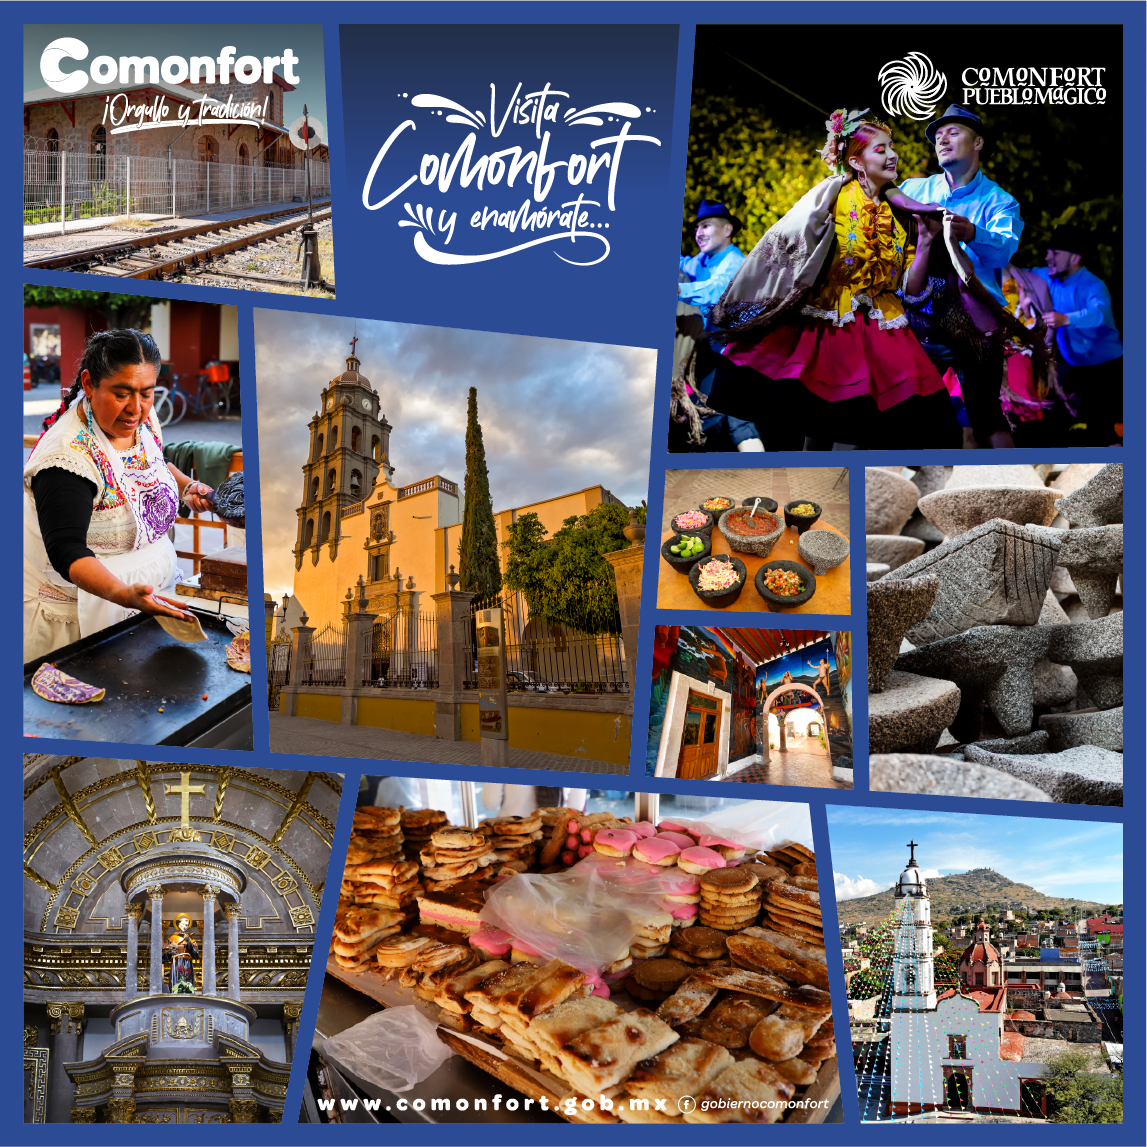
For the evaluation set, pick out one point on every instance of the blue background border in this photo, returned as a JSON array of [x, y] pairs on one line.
[[827, 39]]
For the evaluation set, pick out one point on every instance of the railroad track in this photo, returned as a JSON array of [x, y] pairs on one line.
[[177, 252]]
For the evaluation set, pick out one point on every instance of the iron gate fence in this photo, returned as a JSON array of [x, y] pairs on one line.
[[325, 661], [403, 652], [551, 657], [278, 670], [65, 180]]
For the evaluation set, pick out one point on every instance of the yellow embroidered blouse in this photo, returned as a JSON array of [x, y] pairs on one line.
[[872, 253]]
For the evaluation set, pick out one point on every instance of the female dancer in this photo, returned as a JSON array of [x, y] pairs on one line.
[[819, 300]]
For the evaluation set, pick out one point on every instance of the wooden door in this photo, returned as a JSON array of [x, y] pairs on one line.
[[700, 738]]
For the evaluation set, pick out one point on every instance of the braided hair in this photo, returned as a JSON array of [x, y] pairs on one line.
[[105, 353]]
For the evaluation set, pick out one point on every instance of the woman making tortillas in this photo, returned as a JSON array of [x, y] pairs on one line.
[[100, 500]]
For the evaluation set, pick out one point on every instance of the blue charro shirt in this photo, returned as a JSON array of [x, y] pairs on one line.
[[995, 214], [710, 275], [1090, 337]]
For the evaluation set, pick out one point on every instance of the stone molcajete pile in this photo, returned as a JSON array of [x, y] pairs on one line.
[[995, 636]]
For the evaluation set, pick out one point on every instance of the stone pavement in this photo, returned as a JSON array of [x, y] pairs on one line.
[[810, 770], [312, 737], [686, 489]]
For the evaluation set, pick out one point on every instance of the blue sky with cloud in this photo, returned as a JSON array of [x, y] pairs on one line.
[[556, 416], [869, 850]]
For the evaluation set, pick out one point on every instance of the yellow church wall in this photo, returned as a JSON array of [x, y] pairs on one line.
[[414, 521], [401, 714], [321, 706], [552, 512], [428, 533], [567, 732], [322, 588]]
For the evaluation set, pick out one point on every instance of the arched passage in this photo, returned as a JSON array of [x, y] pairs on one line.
[[770, 700]]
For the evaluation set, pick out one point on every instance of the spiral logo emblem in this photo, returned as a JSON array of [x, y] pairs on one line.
[[912, 86]]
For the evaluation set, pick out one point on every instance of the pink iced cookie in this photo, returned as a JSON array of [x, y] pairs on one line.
[[670, 826], [614, 842], [678, 838], [700, 860], [656, 850], [678, 883], [642, 828], [491, 940], [684, 912], [729, 849]]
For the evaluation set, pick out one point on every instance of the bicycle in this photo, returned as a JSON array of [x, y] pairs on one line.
[[211, 400]]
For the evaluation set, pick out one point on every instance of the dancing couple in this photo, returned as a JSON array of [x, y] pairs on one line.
[[839, 325]]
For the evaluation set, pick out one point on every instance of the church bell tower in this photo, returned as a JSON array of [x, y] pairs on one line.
[[349, 447], [913, 968]]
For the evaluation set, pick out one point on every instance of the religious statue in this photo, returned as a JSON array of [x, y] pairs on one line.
[[182, 950]]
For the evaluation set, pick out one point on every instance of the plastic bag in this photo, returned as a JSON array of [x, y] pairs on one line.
[[587, 915], [394, 1049], [759, 824]]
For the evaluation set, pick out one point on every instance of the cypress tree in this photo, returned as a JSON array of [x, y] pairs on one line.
[[478, 554]]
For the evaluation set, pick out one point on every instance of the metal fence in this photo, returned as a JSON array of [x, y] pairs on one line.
[[403, 652], [551, 657], [278, 669], [325, 662], [65, 181]]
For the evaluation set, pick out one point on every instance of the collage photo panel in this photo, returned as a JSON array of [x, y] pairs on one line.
[[354, 860]]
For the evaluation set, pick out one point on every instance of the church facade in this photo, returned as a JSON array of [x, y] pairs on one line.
[[169, 918], [944, 1052], [355, 520]]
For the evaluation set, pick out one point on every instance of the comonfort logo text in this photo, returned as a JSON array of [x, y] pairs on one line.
[[1071, 87], [149, 69]]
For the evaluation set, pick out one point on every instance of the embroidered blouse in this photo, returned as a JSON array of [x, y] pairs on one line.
[[868, 262]]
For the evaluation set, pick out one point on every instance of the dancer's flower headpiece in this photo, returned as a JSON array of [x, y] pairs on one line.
[[841, 125]]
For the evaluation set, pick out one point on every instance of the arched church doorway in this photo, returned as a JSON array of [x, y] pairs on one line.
[[958, 1092]]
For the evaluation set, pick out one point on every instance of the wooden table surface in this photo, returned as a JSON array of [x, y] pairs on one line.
[[832, 591]]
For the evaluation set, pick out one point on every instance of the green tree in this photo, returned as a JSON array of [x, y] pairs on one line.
[[119, 310], [478, 552], [1077, 1094], [565, 579]]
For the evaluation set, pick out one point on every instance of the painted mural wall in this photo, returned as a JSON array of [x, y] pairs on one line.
[[818, 667]]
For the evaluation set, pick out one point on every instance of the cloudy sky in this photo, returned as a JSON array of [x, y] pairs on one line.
[[556, 416], [869, 850]]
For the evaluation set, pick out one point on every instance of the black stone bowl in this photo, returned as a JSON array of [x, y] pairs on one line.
[[802, 522], [719, 598], [704, 531], [775, 599], [716, 514], [680, 564], [766, 504]]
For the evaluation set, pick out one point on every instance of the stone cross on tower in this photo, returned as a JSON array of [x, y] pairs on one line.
[[912, 856], [185, 789]]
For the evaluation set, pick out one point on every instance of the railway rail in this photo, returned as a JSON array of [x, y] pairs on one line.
[[179, 251]]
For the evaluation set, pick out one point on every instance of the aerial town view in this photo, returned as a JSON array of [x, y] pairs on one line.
[[972, 995]]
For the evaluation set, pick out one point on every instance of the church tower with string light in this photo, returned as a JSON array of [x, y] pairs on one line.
[[913, 967]]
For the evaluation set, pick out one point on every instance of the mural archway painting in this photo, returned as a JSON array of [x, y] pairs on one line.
[[770, 701]]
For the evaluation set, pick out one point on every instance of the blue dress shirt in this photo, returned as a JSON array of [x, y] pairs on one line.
[[1090, 337], [994, 212], [710, 275]]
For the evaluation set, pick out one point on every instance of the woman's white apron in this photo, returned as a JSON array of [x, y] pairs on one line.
[[131, 541]]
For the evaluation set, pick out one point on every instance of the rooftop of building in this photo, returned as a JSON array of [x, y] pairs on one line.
[[987, 1001]]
